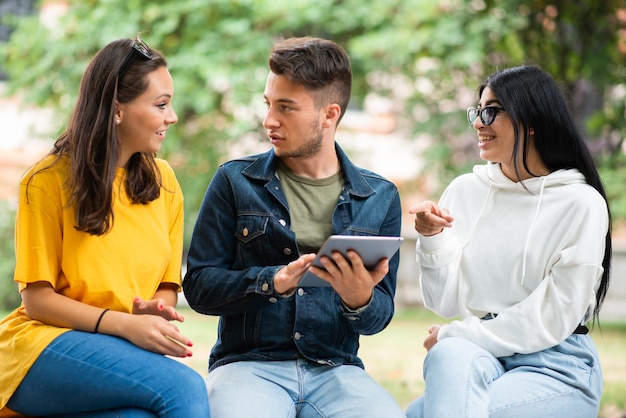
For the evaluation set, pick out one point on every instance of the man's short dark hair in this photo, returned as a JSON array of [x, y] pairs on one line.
[[320, 65]]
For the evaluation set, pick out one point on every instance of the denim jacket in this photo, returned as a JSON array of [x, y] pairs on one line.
[[242, 237]]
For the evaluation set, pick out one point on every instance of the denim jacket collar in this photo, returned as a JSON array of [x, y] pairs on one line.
[[264, 168]]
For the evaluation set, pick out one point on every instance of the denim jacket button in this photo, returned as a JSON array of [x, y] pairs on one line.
[[300, 291], [282, 222], [265, 286], [273, 300], [297, 336], [287, 251]]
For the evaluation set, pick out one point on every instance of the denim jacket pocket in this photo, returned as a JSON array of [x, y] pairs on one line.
[[252, 242], [251, 226]]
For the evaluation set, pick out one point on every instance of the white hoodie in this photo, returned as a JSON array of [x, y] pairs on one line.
[[533, 257]]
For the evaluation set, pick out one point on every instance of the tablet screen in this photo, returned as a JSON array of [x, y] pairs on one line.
[[371, 249]]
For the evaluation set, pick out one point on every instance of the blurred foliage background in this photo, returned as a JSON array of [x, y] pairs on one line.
[[424, 58]]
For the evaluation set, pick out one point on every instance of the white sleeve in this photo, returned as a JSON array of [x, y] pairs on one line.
[[437, 257]]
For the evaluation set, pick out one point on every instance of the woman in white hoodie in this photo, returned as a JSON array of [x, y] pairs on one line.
[[520, 251]]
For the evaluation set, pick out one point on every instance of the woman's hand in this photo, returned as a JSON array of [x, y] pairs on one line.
[[431, 340], [157, 333], [152, 332], [156, 307], [430, 219]]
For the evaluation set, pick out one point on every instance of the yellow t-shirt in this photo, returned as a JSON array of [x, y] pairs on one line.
[[142, 250]]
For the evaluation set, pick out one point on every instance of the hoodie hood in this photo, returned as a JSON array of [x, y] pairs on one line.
[[492, 175]]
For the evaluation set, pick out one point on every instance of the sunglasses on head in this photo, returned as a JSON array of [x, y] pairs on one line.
[[487, 114], [139, 50]]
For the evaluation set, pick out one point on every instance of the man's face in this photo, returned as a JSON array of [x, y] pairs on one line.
[[293, 120]]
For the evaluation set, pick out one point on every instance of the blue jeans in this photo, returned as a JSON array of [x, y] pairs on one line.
[[297, 388], [463, 380], [93, 375]]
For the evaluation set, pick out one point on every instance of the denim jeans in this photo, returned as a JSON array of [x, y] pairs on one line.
[[93, 375], [463, 380], [297, 388]]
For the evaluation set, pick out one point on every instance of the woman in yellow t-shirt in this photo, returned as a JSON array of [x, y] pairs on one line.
[[99, 248]]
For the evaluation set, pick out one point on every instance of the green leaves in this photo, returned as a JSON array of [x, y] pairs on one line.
[[425, 57]]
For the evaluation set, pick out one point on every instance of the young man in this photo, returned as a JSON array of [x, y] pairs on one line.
[[284, 350]]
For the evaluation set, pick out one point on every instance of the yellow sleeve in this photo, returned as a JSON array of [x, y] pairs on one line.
[[39, 225]]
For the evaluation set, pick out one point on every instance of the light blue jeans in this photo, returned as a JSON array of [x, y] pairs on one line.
[[297, 388], [463, 380], [99, 376]]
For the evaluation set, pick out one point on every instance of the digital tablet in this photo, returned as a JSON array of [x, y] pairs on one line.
[[371, 249]]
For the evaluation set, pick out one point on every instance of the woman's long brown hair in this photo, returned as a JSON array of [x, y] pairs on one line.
[[92, 144]]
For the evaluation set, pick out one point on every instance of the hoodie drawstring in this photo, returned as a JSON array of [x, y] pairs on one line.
[[530, 230], [480, 214]]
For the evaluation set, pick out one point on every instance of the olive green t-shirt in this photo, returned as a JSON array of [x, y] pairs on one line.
[[311, 205]]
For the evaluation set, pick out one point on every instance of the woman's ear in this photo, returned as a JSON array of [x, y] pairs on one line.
[[118, 113]]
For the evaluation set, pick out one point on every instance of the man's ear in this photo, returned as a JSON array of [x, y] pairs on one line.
[[332, 112]]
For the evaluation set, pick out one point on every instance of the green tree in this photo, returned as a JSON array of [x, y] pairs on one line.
[[425, 57], [9, 296]]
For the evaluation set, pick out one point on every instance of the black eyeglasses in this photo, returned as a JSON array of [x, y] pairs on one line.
[[139, 50], [487, 114]]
